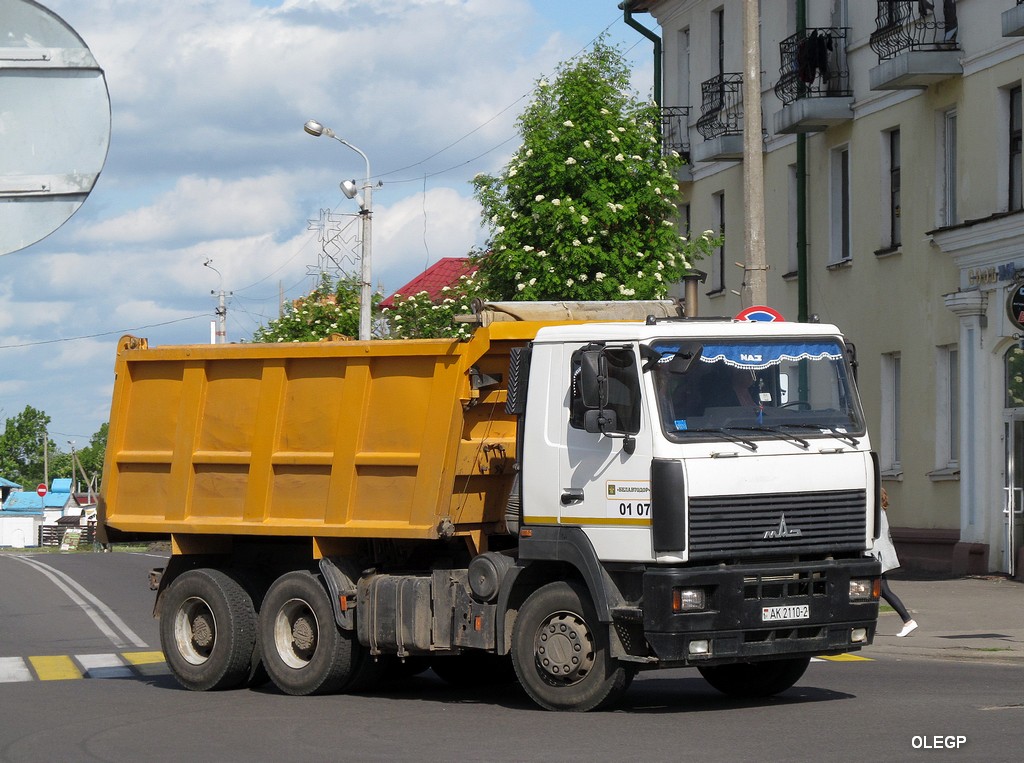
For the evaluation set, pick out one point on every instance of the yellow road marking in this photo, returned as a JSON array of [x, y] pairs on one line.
[[143, 658], [845, 658], [57, 668]]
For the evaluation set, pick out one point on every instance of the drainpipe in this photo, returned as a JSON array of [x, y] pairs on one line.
[[627, 16], [803, 307]]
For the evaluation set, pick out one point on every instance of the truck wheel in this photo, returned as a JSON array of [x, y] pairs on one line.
[[560, 651], [755, 679], [304, 651], [208, 630]]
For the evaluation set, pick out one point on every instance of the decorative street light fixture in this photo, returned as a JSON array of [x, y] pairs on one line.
[[348, 187]]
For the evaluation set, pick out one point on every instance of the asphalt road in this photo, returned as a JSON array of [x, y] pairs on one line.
[[880, 709]]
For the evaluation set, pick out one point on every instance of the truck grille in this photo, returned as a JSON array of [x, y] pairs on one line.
[[766, 525]]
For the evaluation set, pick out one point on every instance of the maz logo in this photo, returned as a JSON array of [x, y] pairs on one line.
[[750, 357], [782, 531]]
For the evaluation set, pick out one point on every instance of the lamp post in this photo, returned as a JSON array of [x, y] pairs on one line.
[[348, 187]]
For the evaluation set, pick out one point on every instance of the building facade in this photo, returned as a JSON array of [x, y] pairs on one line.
[[892, 183]]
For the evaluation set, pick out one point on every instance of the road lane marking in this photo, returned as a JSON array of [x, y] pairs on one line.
[[14, 669], [845, 658], [103, 666], [143, 658], [56, 668], [96, 611], [65, 667]]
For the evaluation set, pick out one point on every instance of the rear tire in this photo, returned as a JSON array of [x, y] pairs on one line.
[[755, 679], [208, 630], [304, 651], [560, 651]]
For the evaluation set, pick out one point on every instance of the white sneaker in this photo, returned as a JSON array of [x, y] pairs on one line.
[[908, 627]]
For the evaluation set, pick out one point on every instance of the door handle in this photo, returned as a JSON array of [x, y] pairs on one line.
[[571, 495]]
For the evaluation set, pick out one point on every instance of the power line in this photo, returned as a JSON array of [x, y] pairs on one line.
[[102, 333]]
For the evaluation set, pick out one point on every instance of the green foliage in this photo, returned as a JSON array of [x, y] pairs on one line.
[[331, 308], [417, 317], [585, 207], [21, 448], [23, 460]]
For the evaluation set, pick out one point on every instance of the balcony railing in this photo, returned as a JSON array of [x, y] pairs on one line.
[[903, 26], [813, 66], [675, 135], [721, 110]]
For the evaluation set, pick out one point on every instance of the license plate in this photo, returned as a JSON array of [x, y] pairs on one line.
[[788, 612]]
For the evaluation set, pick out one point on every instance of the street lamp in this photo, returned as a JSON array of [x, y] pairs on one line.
[[348, 187]]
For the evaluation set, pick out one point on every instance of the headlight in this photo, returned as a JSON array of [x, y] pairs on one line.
[[688, 599], [862, 590]]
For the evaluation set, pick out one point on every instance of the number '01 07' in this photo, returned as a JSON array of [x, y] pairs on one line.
[[635, 509]]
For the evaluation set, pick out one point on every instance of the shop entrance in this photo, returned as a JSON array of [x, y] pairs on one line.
[[1013, 504]]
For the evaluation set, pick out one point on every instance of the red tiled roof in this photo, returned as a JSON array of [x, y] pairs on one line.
[[445, 272]]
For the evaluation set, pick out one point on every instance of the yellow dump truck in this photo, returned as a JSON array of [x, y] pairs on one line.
[[578, 492]]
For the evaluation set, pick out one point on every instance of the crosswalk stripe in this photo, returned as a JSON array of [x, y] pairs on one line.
[[14, 669], [143, 658], [55, 668], [103, 666]]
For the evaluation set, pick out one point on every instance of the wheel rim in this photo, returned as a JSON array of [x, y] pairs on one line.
[[296, 633], [564, 649], [195, 631]]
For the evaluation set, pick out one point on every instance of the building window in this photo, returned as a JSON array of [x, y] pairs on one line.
[[893, 190], [1015, 149], [718, 255], [947, 414], [684, 220], [1013, 362], [947, 169], [718, 49], [840, 249], [684, 67], [891, 453]]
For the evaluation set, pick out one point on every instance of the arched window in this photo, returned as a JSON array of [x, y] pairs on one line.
[[1014, 366]]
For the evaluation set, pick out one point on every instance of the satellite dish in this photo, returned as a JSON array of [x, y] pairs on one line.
[[54, 123]]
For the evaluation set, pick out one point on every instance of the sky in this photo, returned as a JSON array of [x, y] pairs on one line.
[[210, 183]]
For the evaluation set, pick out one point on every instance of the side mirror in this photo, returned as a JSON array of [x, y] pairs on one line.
[[592, 380], [599, 421]]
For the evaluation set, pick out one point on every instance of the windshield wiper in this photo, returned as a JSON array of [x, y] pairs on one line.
[[777, 434], [833, 429], [749, 444]]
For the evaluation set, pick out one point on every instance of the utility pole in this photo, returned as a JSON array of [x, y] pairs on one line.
[[755, 287], [222, 317]]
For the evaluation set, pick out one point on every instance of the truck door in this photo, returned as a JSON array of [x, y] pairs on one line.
[[604, 476]]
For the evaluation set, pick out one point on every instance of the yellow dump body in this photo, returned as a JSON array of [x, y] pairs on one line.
[[332, 440]]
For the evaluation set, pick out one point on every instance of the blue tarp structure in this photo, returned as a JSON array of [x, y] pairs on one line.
[[28, 502]]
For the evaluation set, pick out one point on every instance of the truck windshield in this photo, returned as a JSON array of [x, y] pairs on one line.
[[798, 387]]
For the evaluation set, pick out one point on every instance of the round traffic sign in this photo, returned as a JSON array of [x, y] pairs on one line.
[[41, 490], [759, 313]]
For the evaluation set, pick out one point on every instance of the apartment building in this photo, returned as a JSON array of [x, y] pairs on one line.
[[892, 179]]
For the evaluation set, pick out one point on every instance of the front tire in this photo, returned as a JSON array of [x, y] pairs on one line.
[[560, 651], [208, 630], [755, 679]]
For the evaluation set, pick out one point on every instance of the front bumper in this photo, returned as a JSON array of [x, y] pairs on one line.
[[733, 627]]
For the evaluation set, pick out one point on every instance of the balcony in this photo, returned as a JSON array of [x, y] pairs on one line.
[[814, 81], [675, 136], [721, 119], [1013, 21], [916, 44]]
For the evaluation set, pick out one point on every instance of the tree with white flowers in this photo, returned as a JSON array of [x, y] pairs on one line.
[[585, 208]]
